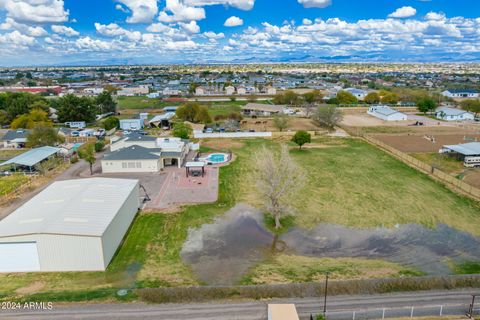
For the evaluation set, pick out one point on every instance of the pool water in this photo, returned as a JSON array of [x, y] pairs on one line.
[[217, 158]]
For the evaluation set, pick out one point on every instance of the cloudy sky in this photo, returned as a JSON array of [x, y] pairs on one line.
[[49, 32]]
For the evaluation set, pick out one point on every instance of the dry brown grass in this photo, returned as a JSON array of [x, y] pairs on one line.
[[294, 124], [223, 144]]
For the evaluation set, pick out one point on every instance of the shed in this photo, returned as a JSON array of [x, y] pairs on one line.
[[386, 113], [131, 124], [32, 157], [72, 225]]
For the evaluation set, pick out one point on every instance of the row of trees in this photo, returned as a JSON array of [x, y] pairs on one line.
[[30, 108]]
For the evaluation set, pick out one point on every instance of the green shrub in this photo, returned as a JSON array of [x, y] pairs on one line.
[[99, 145]]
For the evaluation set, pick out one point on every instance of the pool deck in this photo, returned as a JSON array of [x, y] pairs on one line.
[[177, 189]]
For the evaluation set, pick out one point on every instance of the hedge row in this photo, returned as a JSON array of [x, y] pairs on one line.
[[300, 290]]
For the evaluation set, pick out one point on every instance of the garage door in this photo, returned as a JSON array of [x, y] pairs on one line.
[[19, 257]]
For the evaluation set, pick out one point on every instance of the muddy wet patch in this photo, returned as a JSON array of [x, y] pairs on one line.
[[222, 252]]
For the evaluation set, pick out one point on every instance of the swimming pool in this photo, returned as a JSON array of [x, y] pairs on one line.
[[217, 158]]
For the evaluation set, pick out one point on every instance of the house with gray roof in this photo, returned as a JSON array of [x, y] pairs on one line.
[[139, 153], [15, 138], [453, 114]]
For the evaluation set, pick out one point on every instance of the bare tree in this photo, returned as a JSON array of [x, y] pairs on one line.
[[327, 116], [281, 122], [279, 178]]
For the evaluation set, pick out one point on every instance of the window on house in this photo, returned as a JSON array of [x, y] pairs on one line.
[[124, 165], [131, 165], [139, 165]]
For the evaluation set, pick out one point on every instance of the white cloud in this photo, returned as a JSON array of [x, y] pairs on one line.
[[180, 12], [158, 27], [307, 22], [16, 38], [233, 21], [240, 4], [315, 3], [64, 30], [114, 30], [33, 31], [181, 45], [435, 16], [191, 27], [41, 11], [89, 44], [213, 35], [143, 11], [403, 12]]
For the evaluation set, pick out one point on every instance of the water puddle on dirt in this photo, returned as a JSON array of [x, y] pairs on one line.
[[222, 252]]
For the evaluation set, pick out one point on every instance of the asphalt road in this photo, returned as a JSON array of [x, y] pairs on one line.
[[338, 307]]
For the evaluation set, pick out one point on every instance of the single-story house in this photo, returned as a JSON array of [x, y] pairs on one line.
[[386, 113], [31, 158], [229, 90], [145, 154], [258, 109], [453, 114], [132, 159], [134, 139], [132, 124], [72, 225], [358, 93], [200, 91], [461, 93], [15, 138]]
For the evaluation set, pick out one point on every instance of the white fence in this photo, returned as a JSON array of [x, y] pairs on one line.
[[231, 135]]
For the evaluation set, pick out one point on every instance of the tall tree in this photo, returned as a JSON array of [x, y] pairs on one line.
[[281, 122], [278, 179], [426, 104], [372, 98], [33, 118], [327, 116], [87, 153], [73, 108], [345, 97], [43, 136], [181, 130], [472, 105], [105, 102]]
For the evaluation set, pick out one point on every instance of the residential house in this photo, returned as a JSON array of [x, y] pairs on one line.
[[15, 138], [453, 114], [258, 109], [358, 93], [229, 90], [460, 94]]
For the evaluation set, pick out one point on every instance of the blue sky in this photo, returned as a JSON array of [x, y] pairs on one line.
[[49, 32]]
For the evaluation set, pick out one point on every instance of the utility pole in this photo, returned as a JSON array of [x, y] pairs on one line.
[[472, 307], [325, 299]]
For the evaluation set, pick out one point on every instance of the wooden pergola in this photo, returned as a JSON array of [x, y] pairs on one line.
[[195, 166]]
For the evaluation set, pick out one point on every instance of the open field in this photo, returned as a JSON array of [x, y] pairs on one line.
[[349, 182], [441, 161], [6, 154], [266, 124], [141, 103], [11, 183]]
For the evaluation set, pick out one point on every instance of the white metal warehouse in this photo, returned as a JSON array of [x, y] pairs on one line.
[[72, 225]]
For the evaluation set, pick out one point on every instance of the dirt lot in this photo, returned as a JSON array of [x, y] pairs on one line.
[[266, 124], [418, 143], [473, 178]]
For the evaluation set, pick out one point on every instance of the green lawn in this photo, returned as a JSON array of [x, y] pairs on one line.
[[349, 182], [443, 162], [285, 268], [142, 103]]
